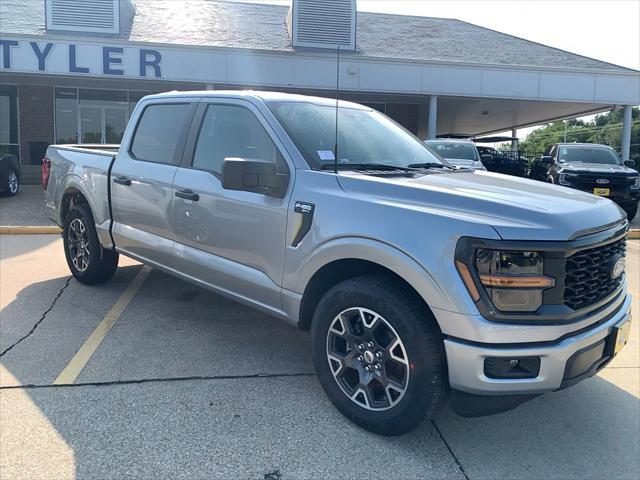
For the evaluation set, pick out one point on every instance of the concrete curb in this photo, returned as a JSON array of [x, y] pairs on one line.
[[29, 230]]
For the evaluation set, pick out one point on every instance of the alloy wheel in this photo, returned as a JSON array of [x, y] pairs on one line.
[[13, 183], [78, 242], [367, 359]]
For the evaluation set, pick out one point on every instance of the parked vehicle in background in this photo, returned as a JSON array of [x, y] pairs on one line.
[[504, 161], [419, 282], [9, 174], [459, 153], [591, 168]]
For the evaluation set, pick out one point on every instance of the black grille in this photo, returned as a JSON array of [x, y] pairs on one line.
[[588, 275], [590, 180]]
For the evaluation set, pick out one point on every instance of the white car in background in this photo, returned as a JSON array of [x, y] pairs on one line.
[[458, 153]]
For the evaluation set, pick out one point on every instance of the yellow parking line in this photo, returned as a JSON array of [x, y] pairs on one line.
[[29, 230], [80, 359]]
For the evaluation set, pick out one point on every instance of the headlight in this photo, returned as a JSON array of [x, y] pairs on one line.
[[636, 184], [562, 179], [513, 280]]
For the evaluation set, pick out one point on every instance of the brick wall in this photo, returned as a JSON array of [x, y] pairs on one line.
[[36, 121]]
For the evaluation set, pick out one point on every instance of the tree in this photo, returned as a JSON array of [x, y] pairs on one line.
[[605, 128]]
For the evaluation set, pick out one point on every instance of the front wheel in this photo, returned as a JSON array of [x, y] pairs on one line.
[[12, 183], [88, 261], [379, 354]]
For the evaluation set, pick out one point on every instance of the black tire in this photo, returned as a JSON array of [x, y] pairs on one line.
[[631, 211], [95, 264], [400, 308], [11, 183]]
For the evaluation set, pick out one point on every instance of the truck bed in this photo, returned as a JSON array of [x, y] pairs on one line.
[[84, 168]]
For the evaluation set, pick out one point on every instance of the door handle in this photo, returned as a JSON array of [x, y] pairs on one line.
[[187, 195], [122, 181]]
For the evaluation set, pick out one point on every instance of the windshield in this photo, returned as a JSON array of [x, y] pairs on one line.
[[364, 136], [455, 150], [595, 155]]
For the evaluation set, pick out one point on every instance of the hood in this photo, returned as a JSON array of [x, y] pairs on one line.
[[517, 208], [575, 167]]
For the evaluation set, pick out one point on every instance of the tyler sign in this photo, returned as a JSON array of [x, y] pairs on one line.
[[73, 58]]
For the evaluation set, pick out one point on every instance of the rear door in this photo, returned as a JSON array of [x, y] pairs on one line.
[[142, 179], [232, 240]]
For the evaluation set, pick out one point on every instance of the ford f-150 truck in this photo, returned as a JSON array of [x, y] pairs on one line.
[[593, 168], [420, 283]]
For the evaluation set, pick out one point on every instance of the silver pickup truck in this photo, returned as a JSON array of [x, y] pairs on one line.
[[420, 283]]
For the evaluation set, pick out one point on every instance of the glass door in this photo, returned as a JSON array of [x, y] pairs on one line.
[[99, 124], [91, 125], [115, 122]]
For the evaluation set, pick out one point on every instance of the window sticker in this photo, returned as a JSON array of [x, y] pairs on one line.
[[326, 155]]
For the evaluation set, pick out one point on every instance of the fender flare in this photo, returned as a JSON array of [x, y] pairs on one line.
[[375, 251], [76, 182]]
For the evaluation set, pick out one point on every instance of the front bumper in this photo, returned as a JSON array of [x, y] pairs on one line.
[[466, 360]]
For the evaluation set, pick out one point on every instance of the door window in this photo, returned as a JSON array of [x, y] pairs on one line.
[[232, 131], [158, 132]]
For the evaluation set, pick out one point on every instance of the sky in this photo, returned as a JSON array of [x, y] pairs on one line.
[[607, 30]]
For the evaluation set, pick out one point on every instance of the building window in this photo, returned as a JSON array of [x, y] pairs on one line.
[[66, 115], [93, 115], [9, 120]]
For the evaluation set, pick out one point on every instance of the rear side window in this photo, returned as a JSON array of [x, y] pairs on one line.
[[158, 132]]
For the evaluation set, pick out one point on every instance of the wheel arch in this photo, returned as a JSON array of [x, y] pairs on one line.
[[346, 259]]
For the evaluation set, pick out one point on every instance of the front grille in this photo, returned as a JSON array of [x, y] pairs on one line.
[[590, 180], [588, 275]]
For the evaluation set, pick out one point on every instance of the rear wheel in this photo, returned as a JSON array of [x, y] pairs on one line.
[[88, 261], [378, 354]]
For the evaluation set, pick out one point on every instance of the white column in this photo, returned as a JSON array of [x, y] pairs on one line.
[[514, 143], [626, 133], [433, 118]]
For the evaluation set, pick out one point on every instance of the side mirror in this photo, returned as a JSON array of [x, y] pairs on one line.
[[485, 157], [250, 175], [547, 160], [630, 163]]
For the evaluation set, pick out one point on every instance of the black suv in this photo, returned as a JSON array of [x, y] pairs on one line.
[[592, 168]]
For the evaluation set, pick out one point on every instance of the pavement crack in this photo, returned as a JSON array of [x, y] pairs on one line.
[[40, 320], [159, 380], [444, 440]]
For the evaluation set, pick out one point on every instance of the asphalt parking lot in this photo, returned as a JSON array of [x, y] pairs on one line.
[[188, 384]]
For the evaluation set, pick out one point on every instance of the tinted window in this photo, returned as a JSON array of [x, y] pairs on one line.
[[363, 136], [158, 131], [454, 150], [594, 155], [230, 131]]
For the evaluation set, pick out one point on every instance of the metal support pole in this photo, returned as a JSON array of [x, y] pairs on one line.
[[626, 133], [514, 143], [433, 117]]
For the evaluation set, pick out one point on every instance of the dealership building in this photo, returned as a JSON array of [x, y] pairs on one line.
[[72, 70]]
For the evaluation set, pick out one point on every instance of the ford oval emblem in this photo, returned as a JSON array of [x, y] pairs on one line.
[[602, 181], [618, 268]]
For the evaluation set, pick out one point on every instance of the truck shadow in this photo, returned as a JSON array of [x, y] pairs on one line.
[[254, 404]]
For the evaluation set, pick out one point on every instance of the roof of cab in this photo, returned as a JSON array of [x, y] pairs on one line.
[[265, 96]]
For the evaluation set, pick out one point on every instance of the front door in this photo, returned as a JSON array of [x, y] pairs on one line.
[[142, 181], [232, 240]]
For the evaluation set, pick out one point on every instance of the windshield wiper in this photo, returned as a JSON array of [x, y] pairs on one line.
[[367, 166], [429, 165]]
